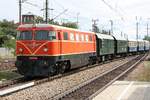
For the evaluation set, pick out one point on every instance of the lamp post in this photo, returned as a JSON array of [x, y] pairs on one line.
[[147, 26], [78, 18], [137, 26]]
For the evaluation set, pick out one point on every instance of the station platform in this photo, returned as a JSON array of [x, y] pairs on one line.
[[126, 90]]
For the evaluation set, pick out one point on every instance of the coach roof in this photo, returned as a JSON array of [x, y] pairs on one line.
[[117, 37], [104, 36]]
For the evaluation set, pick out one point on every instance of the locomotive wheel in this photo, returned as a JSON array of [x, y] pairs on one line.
[[53, 70], [63, 67]]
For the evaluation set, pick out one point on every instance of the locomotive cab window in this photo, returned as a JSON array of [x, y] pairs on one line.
[[45, 35], [24, 35]]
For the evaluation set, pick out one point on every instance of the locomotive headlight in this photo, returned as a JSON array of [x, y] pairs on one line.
[[20, 49], [45, 49]]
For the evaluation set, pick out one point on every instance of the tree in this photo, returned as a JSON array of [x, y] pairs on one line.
[[70, 25], [8, 28], [147, 38], [39, 19], [7, 32]]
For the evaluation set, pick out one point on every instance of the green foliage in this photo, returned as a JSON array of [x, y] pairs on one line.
[[10, 43], [8, 75], [70, 25], [7, 32], [8, 28], [54, 22], [39, 19], [147, 38]]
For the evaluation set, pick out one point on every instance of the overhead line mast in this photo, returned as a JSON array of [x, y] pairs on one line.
[[46, 12], [20, 11]]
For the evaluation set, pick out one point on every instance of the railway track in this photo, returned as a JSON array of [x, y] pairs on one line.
[[98, 84], [12, 84]]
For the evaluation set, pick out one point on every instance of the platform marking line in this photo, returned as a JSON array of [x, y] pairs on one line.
[[124, 92]]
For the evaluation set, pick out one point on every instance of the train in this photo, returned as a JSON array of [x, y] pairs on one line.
[[45, 49]]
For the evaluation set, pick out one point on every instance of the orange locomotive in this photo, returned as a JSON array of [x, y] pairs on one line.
[[44, 49]]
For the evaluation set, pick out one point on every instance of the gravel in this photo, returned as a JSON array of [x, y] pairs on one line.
[[52, 88]]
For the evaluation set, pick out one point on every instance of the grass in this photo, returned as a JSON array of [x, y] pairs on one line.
[[8, 75], [145, 74]]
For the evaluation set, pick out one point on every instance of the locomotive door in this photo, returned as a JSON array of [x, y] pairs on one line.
[[59, 44]]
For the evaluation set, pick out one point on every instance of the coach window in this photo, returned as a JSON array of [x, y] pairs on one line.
[[65, 36], [72, 36], [87, 38]]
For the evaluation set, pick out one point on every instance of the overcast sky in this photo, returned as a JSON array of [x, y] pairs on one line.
[[122, 12]]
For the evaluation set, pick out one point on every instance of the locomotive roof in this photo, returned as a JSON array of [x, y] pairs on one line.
[[50, 25], [104, 36]]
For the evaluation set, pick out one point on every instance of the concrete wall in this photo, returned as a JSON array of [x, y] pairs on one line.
[[6, 53]]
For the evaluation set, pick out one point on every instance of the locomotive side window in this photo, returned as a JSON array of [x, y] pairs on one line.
[[72, 36], [65, 36], [82, 37], [87, 38], [24, 35], [90, 37], [77, 37], [52, 35]]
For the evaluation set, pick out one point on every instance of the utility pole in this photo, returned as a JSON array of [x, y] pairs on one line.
[[46, 12], [94, 25], [20, 12], [147, 28], [137, 28], [78, 18], [111, 23]]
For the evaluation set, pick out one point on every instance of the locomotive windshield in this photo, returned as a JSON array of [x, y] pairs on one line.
[[24, 35], [45, 35]]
